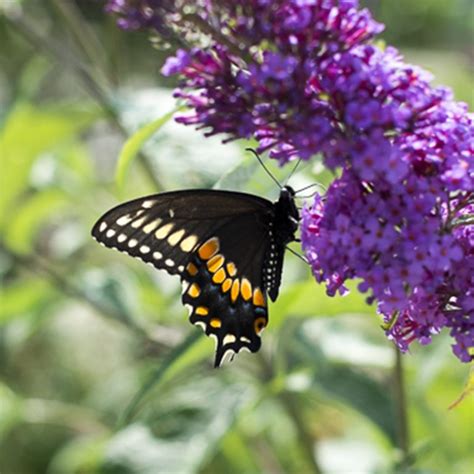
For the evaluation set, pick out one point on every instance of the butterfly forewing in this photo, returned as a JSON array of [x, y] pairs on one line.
[[217, 241]]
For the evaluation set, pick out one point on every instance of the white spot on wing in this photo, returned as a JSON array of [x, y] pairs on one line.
[[149, 228], [138, 223], [202, 325], [245, 339], [110, 233], [132, 243], [148, 204], [229, 338], [184, 286], [171, 213], [189, 243], [169, 262], [102, 226], [228, 356], [144, 249], [157, 255], [190, 309], [121, 238], [174, 238], [162, 232], [124, 220]]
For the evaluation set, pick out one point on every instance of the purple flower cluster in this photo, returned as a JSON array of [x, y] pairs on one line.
[[303, 78], [139, 14], [400, 218]]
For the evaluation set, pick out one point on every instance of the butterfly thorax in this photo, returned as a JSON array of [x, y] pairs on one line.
[[283, 227]]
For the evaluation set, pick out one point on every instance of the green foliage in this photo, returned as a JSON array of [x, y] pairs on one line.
[[134, 144], [100, 370]]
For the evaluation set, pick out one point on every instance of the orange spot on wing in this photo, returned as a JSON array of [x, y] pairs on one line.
[[258, 298], [234, 292], [219, 276], [215, 323], [226, 285], [194, 291], [259, 325], [202, 311], [231, 269], [215, 263], [246, 289], [209, 248], [191, 269]]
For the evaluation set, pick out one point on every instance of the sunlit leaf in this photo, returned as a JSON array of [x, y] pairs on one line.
[[10, 410], [24, 296], [28, 132], [310, 299], [82, 454], [29, 216], [135, 143], [237, 453], [468, 390]]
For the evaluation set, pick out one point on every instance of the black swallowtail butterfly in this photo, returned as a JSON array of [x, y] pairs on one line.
[[227, 247]]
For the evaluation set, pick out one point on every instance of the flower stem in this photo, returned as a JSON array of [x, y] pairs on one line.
[[49, 47], [401, 409], [290, 403]]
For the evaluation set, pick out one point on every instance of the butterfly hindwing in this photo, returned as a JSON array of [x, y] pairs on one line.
[[223, 289]]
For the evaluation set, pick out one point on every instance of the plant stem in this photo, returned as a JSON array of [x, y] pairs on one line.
[[306, 440], [401, 408], [84, 36], [83, 72], [37, 265], [289, 401]]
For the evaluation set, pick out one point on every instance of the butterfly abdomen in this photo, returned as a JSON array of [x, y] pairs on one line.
[[281, 232]]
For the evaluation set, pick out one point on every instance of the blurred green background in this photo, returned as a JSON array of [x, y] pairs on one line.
[[83, 330]]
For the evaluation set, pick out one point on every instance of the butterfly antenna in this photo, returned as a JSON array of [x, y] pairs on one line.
[[264, 166], [311, 186], [293, 171], [301, 257]]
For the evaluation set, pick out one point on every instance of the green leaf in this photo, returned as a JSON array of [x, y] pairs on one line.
[[28, 132], [208, 409], [361, 392], [81, 454], [468, 390], [310, 299], [237, 453], [159, 373], [23, 226], [135, 143], [23, 296], [340, 381], [10, 410]]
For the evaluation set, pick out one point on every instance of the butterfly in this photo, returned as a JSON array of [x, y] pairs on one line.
[[227, 248]]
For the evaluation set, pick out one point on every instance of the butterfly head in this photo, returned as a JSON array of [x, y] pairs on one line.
[[287, 216]]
